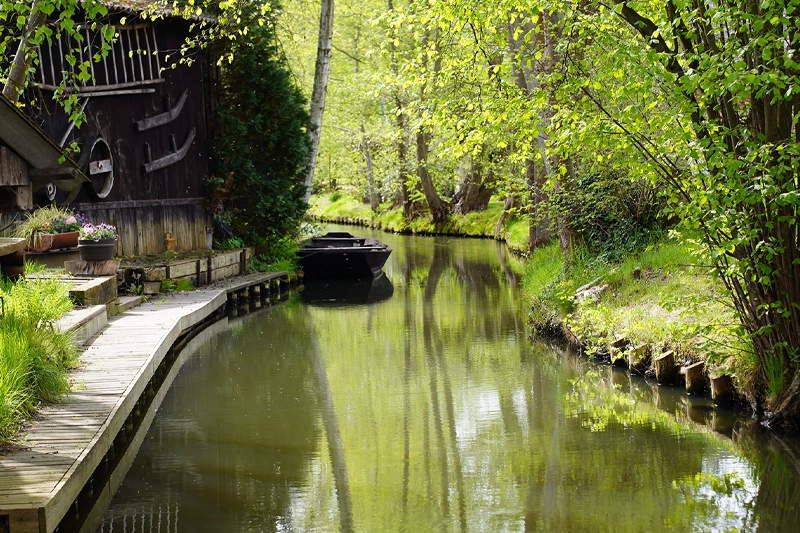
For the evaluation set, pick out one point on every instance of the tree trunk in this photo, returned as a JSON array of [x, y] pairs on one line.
[[321, 72], [475, 192], [510, 203], [535, 177], [18, 73], [402, 198], [439, 208], [373, 192], [539, 232], [402, 158]]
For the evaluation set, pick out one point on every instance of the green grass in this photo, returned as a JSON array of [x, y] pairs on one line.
[[336, 205], [34, 357], [179, 285], [659, 297]]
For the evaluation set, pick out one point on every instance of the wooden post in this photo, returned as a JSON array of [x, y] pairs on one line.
[[638, 358], [696, 381], [616, 351], [666, 369], [209, 276], [13, 265], [23, 521], [243, 262], [284, 281], [265, 291], [233, 307], [257, 296], [722, 390], [244, 299], [276, 286]]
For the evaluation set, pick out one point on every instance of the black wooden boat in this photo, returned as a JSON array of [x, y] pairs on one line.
[[340, 255]]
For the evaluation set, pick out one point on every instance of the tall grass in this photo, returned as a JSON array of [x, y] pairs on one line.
[[34, 357]]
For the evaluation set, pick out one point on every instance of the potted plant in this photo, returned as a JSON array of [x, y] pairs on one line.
[[36, 227], [66, 230], [97, 242]]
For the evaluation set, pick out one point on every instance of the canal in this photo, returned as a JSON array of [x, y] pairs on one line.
[[418, 404]]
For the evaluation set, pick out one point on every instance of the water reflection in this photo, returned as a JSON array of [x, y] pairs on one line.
[[430, 411], [341, 292]]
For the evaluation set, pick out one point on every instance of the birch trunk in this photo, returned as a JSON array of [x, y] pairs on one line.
[[318, 93], [24, 56]]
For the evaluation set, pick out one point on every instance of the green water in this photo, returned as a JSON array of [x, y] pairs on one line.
[[431, 411]]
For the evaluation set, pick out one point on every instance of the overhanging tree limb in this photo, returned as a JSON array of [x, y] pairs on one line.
[[24, 56]]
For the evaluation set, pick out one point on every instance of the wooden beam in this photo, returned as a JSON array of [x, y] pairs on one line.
[[102, 88], [132, 204], [65, 178], [100, 167], [173, 157], [13, 169], [163, 118]]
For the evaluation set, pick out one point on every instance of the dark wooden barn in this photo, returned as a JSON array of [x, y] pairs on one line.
[[143, 144]]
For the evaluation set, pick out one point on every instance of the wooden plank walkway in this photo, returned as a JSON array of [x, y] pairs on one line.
[[40, 481]]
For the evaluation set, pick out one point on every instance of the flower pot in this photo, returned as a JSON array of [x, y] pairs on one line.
[[41, 242], [65, 240], [101, 250]]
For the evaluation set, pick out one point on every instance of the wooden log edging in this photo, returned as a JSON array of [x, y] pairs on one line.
[[663, 367], [51, 478]]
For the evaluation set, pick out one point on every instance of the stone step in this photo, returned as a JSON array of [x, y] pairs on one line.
[[94, 291], [85, 322], [129, 302]]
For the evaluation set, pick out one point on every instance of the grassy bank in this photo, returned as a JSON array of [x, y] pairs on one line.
[[659, 297], [335, 206], [34, 358]]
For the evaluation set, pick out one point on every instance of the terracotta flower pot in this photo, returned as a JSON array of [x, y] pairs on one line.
[[101, 250], [41, 242], [65, 240]]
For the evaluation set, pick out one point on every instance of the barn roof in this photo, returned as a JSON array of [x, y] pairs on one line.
[[139, 6], [19, 133]]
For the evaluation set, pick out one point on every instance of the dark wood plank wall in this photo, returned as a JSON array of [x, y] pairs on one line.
[[142, 225], [142, 229]]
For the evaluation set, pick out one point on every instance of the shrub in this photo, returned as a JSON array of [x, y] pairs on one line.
[[609, 213], [259, 143]]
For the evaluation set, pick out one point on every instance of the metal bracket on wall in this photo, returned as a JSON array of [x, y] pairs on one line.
[[174, 157], [163, 118]]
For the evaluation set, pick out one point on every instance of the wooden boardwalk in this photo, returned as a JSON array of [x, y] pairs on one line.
[[40, 481]]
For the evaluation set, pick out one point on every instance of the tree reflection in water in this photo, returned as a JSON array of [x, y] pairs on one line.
[[430, 411]]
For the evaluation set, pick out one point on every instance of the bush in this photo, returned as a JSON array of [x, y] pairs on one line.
[[276, 256], [610, 214], [259, 143]]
